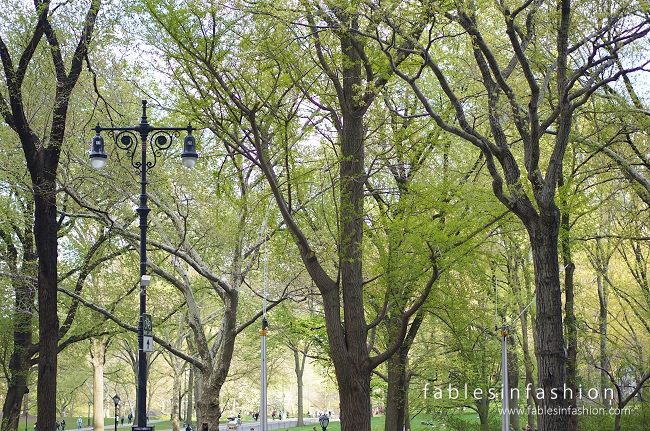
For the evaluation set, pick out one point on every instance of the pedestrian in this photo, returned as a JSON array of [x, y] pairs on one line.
[[57, 425], [62, 424], [122, 420], [130, 417], [79, 422]]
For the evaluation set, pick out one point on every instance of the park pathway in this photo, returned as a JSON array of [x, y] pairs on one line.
[[245, 426]]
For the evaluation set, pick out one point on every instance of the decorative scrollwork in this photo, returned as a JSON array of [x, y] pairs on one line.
[[158, 142], [127, 140]]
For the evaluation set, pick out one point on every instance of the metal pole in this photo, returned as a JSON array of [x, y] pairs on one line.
[[263, 418], [505, 414], [88, 413], [115, 417], [143, 211]]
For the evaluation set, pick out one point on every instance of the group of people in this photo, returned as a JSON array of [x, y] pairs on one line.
[[61, 425]]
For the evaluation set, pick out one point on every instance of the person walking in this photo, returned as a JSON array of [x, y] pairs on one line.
[[79, 422], [62, 424]]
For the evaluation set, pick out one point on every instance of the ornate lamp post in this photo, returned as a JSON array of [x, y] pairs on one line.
[[116, 400], [89, 403], [126, 139]]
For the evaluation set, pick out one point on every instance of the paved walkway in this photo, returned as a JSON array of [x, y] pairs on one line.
[[245, 426], [272, 425]]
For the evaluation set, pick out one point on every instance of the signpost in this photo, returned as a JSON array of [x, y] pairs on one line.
[[147, 333]]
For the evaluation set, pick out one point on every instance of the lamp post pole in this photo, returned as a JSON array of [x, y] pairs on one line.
[[161, 139], [89, 412], [116, 400], [26, 412]]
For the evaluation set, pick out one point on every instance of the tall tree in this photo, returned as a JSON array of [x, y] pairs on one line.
[[256, 103], [42, 154], [517, 109]]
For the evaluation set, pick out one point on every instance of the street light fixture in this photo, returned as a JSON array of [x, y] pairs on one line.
[[161, 139], [89, 403], [116, 400], [324, 421]]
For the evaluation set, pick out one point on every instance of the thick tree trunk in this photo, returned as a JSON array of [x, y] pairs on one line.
[[98, 359], [352, 361], [397, 393], [46, 228], [550, 348], [349, 349]]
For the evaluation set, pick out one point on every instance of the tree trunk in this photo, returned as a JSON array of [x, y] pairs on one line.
[[190, 396], [98, 360], [19, 363], [407, 415], [397, 395], [398, 378], [46, 228], [207, 404], [601, 273], [350, 353], [300, 369], [483, 410], [549, 346], [571, 323], [174, 408]]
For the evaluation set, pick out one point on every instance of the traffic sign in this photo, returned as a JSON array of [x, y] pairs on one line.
[[147, 327], [147, 344]]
